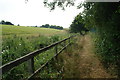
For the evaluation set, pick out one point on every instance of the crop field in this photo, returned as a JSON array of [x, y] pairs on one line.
[[20, 40], [8, 30]]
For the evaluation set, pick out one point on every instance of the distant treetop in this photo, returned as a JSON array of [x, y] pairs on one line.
[[6, 22], [52, 26]]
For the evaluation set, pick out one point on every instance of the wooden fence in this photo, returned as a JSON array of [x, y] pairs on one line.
[[30, 57]]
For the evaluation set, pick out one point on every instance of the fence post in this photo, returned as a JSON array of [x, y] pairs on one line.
[[31, 65], [64, 43], [56, 49], [69, 41]]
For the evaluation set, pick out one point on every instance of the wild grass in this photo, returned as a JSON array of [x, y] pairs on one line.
[[20, 40], [70, 59]]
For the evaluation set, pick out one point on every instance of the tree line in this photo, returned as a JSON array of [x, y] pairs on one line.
[[52, 26], [6, 23], [44, 26]]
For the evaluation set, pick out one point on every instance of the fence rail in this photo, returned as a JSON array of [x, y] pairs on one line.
[[30, 57]]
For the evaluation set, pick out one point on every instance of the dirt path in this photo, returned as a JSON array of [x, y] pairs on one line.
[[81, 62]]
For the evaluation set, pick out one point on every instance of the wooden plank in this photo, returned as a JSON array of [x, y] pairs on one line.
[[64, 43], [56, 49], [69, 40]]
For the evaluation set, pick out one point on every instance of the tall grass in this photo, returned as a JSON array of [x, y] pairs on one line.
[[17, 43]]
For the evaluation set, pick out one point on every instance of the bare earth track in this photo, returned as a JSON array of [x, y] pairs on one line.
[[81, 62]]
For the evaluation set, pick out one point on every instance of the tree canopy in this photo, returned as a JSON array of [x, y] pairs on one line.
[[78, 25], [6, 22]]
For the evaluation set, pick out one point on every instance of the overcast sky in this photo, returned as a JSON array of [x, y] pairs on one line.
[[34, 13]]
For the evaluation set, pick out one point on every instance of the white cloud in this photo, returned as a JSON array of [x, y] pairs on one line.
[[34, 13]]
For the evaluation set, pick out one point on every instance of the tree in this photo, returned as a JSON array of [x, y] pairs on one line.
[[46, 26], [2, 22], [18, 25], [6, 23], [78, 25]]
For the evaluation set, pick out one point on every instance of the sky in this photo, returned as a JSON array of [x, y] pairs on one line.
[[33, 13]]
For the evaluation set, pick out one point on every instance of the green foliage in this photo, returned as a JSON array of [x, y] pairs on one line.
[[62, 4], [54, 38], [16, 44], [77, 25], [105, 18], [16, 47]]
